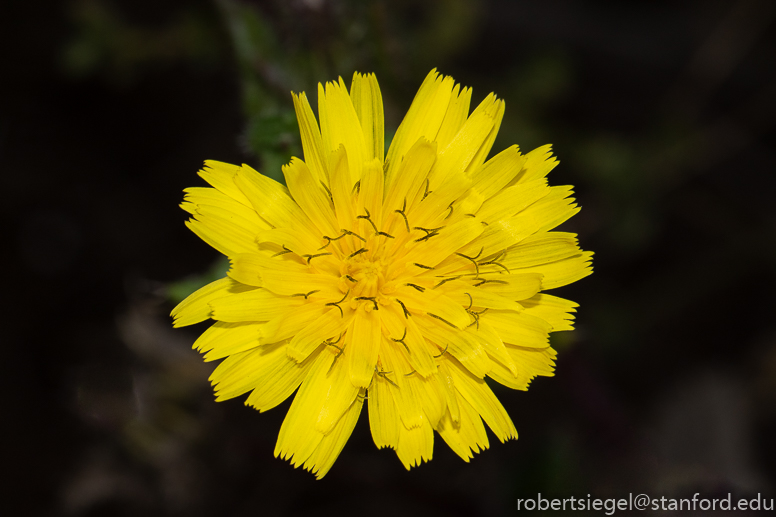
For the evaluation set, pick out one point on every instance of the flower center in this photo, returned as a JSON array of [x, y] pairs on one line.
[[369, 275]]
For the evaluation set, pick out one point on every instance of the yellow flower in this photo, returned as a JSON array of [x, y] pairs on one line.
[[403, 280]]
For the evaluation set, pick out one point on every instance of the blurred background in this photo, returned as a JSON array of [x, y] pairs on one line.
[[661, 112]]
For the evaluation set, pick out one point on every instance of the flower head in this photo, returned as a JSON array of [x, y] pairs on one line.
[[401, 280]]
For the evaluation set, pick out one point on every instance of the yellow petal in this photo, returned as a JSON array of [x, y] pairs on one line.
[[435, 303], [333, 393], [457, 343], [195, 307], [287, 325], [455, 116], [416, 445], [497, 172], [556, 311], [253, 305], [531, 362], [332, 444], [410, 179], [371, 196], [282, 376], [234, 385], [277, 240], [364, 339], [542, 248], [298, 437], [393, 368], [520, 286], [512, 200], [340, 126], [342, 188], [233, 209], [496, 112], [193, 196], [281, 276], [243, 220], [538, 164], [468, 205], [319, 404], [311, 196], [271, 200], [518, 328], [492, 343], [473, 135], [314, 154], [423, 120], [430, 395], [221, 176], [470, 296], [431, 207], [254, 369], [368, 104], [383, 415], [292, 283], [223, 339], [435, 249], [561, 272], [466, 435], [448, 389], [551, 210], [223, 234], [328, 327], [404, 331], [544, 214], [477, 393], [246, 268]]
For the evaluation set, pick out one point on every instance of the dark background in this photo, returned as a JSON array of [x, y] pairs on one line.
[[662, 114]]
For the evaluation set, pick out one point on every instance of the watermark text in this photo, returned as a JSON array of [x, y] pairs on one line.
[[644, 502]]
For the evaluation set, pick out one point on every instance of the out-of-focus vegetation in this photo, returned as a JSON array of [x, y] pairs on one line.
[[662, 115]]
